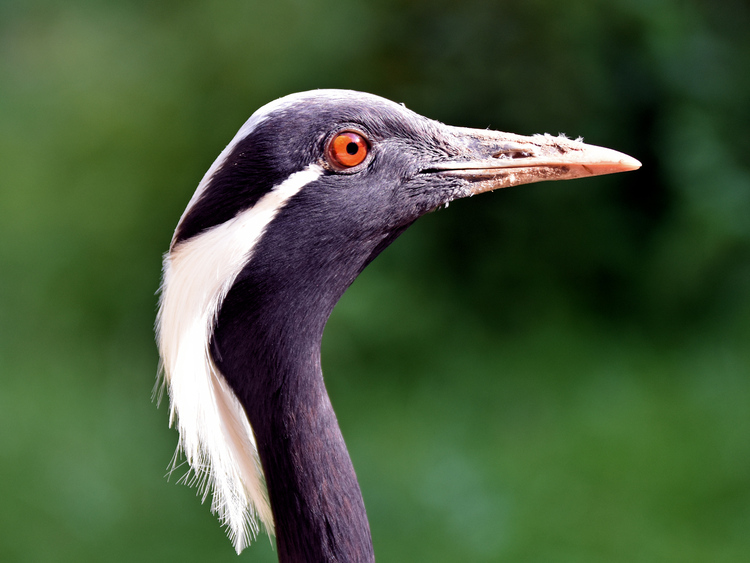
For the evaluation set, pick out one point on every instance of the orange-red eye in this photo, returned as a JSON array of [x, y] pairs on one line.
[[347, 149]]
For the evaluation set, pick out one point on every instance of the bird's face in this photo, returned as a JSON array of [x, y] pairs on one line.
[[368, 155], [377, 165]]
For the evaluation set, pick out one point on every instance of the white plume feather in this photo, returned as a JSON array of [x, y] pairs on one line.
[[215, 435]]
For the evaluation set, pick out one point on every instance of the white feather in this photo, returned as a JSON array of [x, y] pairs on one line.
[[215, 434]]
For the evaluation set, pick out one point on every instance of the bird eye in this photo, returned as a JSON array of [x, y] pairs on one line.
[[347, 149]]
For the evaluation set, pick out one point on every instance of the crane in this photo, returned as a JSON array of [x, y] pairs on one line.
[[309, 191]]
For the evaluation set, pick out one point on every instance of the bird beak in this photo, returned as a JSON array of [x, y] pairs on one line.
[[496, 160]]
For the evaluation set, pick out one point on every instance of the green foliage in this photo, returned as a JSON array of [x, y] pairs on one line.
[[557, 372]]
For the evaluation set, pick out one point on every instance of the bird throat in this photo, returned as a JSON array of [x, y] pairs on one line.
[[317, 505], [266, 343]]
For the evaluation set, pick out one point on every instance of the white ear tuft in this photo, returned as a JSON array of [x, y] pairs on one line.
[[215, 434]]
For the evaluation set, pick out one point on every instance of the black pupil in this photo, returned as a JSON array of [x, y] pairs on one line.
[[352, 148]]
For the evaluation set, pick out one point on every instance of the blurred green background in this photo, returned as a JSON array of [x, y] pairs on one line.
[[554, 372]]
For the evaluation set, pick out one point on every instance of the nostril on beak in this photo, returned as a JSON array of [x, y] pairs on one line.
[[512, 154]]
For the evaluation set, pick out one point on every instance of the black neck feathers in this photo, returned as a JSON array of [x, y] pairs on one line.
[[267, 345]]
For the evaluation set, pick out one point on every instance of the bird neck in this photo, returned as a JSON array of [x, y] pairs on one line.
[[315, 497], [268, 349]]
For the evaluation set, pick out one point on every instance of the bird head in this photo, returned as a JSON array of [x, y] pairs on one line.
[[377, 164]]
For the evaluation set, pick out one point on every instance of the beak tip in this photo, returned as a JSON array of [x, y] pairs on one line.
[[608, 161], [629, 163]]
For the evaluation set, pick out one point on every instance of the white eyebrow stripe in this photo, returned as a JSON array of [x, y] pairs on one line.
[[215, 435]]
